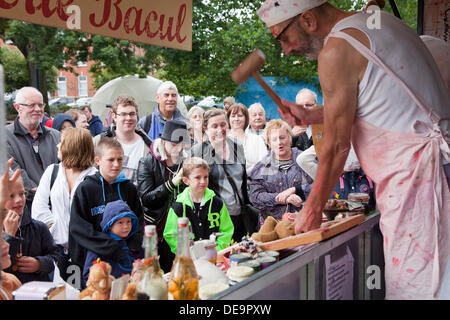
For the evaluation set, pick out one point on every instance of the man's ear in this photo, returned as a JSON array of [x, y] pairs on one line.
[[17, 107], [308, 21]]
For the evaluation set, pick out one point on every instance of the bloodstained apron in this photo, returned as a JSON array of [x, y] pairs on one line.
[[412, 195]]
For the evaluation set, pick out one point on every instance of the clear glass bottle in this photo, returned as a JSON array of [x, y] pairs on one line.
[[183, 281], [152, 285]]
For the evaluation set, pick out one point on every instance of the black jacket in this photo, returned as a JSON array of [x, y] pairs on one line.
[[95, 125], [111, 132], [36, 241], [216, 172], [157, 193], [155, 187], [302, 142], [88, 204], [20, 147]]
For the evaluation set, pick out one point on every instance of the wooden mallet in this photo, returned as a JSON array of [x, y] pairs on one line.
[[249, 68]]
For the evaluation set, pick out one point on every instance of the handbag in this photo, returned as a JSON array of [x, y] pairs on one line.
[[250, 215]]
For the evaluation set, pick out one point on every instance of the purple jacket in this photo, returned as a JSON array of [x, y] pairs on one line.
[[267, 180]]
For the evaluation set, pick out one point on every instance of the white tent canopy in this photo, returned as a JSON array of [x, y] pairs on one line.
[[142, 89]]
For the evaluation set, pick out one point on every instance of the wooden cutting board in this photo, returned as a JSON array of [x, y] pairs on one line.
[[324, 232]]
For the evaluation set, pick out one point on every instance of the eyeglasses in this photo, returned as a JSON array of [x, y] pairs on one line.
[[125, 114], [307, 105], [287, 26], [28, 105]]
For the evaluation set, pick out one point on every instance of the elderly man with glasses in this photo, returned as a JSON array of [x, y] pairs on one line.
[[134, 140], [30, 143], [167, 99]]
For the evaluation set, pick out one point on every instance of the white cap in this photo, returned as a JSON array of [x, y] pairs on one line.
[[150, 229], [273, 12], [182, 222]]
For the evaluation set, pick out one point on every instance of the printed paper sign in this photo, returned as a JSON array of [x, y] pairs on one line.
[[339, 277]]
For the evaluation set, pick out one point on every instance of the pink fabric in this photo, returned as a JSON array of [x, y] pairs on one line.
[[413, 200], [412, 196]]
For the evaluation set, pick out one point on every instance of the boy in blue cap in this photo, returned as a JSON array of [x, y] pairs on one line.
[[120, 223]]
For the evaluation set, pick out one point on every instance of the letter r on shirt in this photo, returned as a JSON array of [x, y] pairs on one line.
[[213, 218]]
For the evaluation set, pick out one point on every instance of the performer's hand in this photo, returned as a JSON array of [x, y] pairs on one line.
[[296, 115], [307, 220]]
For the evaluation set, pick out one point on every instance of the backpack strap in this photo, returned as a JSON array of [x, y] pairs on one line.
[[54, 175], [147, 124], [52, 181]]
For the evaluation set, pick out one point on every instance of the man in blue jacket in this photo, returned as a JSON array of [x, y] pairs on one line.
[[167, 98], [95, 124]]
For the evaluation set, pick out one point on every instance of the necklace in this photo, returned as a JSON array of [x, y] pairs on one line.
[[176, 171]]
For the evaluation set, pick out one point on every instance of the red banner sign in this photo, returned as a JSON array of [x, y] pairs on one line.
[[162, 23]]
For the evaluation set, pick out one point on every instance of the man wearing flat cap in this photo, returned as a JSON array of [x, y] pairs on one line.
[[383, 92]]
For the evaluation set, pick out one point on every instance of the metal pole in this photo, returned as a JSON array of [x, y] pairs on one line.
[[2, 147], [395, 9], [420, 13]]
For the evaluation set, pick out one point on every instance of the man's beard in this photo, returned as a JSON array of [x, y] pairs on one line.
[[312, 48]]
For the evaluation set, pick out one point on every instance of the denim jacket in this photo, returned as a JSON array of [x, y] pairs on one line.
[[267, 180]]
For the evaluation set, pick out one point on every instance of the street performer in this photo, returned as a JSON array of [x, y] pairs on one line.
[[384, 93]]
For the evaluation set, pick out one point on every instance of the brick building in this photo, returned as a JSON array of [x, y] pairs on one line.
[[75, 84]]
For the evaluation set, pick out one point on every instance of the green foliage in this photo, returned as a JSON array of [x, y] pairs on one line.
[[63, 108], [15, 66], [45, 50], [408, 11], [3, 26], [115, 57]]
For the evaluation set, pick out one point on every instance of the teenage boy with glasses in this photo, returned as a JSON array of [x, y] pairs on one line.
[[134, 140]]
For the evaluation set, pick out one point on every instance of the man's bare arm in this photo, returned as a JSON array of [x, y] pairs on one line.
[[339, 71]]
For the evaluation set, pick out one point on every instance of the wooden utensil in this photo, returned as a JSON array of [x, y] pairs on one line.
[[327, 230]]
